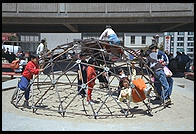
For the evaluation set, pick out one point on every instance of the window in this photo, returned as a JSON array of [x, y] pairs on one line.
[[172, 44], [170, 33], [180, 49], [180, 44], [36, 38], [180, 33], [190, 55], [132, 39], [172, 38], [143, 39], [26, 38], [31, 38], [190, 33], [180, 38], [190, 44], [190, 49], [172, 50], [22, 38], [190, 38]]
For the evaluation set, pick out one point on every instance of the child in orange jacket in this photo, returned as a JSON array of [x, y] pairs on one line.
[[91, 74]]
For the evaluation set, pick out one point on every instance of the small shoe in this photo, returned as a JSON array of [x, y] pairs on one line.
[[101, 86], [148, 93], [124, 101], [168, 101], [90, 102], [26, 105], [83, 95]]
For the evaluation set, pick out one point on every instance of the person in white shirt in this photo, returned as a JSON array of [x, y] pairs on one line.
[[40, 48], [111, 35]]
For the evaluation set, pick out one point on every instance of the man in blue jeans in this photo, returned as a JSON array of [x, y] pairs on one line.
[[157, 85], [156, 60], [163, 58]]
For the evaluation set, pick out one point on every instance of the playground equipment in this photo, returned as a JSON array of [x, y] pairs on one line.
[[58, 84]]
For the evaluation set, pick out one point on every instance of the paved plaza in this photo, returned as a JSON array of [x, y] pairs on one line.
[[180, 115]]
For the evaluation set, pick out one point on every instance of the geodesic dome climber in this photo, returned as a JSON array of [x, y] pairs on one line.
[[56, 88]]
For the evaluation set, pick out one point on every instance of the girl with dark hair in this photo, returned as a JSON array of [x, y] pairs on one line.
[[91, 77], [32, 68]]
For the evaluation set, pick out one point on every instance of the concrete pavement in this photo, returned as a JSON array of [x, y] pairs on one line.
[[179, 117]]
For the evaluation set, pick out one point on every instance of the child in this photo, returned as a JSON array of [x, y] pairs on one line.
[[91, 74], [111, 35], [130, 94], [31, 69], [125, 93], [82, 75], [133, 70]]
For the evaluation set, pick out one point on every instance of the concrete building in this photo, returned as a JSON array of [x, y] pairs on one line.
[[182, 42], [29, 41], [55, 39], [97, 35], [140, 40]]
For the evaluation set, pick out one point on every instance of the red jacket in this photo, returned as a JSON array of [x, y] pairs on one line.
[[30, 69], [90, 75]]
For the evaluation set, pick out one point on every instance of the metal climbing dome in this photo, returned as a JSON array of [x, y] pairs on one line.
[[56, 88]]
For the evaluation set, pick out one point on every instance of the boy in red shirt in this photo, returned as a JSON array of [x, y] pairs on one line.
[[31, 69], [91, 74]]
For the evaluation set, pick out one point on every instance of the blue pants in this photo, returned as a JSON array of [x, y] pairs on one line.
[[24, 85], [27, 93], [114, 39], [157, 85], [162, 81]]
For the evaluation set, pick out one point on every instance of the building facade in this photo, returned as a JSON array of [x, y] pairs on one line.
[[55, 39], [29, 41], [97, 35], [182, 42], [141, 40]]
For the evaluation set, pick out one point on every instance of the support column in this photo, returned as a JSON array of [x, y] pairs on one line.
[[175, 43], [185, 42]]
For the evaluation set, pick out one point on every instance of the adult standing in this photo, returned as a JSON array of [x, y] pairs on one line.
[[186, 60], [41, 47], [157, 67], [164, 59], [180, 65], [40, 50]]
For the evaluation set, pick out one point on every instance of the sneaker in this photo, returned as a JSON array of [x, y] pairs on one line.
[[26, 104], [90, 102], [105, 85], [101, 85], [124, 101], [83, 95], [168, 101]]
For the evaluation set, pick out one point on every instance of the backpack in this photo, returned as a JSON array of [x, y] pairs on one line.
[[139, 86], [15, 64]]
